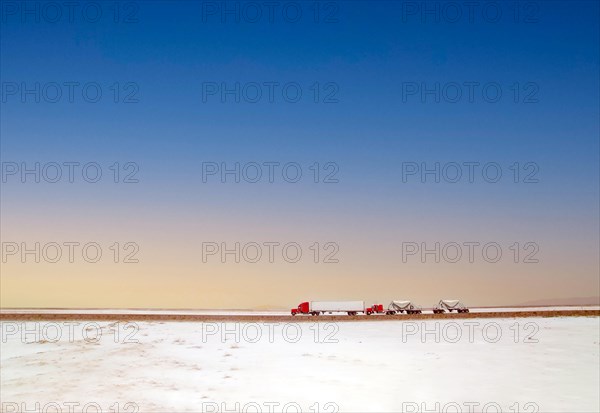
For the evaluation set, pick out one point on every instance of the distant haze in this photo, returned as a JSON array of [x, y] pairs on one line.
[[562, 301]]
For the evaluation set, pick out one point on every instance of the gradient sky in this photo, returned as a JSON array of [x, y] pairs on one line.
[[369, 51]]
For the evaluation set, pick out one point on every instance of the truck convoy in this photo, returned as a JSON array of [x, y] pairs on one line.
[[353, 308]]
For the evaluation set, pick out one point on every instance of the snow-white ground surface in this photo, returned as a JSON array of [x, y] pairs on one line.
[[464, 365]]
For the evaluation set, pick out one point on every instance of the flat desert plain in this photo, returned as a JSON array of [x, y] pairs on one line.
[[124, 362]]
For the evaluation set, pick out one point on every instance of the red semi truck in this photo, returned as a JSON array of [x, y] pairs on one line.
[[329, 307]]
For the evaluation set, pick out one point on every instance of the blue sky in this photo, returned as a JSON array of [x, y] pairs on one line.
[[368, 53]]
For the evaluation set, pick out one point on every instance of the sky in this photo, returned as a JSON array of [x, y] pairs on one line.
[[337, 150]]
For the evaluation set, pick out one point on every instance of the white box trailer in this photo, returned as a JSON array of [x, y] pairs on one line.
[[321, 307], [337, 306]]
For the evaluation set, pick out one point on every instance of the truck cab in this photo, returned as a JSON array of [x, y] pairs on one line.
[[303, 308]]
